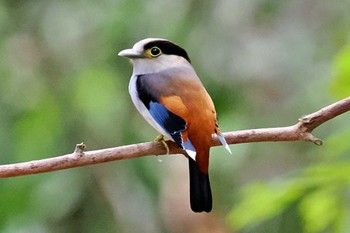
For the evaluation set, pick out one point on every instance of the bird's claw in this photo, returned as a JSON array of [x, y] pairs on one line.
[[160, 138]]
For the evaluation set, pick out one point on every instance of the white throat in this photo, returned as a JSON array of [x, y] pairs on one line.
[[155, 65]]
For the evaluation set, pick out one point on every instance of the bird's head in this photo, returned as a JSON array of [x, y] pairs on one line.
[[154, 54]]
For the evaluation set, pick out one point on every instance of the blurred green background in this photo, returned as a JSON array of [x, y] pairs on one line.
[[265, 63]]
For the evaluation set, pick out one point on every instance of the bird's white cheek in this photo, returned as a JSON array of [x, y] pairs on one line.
[[145, 66], [155, 65]]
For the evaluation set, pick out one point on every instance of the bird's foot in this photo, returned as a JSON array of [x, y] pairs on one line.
[[160, 138]]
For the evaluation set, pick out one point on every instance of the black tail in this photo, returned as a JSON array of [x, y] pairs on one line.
[[200, 193]]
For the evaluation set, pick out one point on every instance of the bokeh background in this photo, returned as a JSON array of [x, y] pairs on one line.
[[265, 63]]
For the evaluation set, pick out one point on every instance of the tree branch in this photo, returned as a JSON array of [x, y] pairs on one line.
[[301, 131]]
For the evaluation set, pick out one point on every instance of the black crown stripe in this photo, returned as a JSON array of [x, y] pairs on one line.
[[168, 47]]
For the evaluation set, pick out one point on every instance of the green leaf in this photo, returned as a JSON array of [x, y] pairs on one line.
[[98, 97], [262, 202], [319, 210], [38, 129], [340, 85]]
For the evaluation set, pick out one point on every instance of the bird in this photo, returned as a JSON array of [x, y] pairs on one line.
[[168, 93]]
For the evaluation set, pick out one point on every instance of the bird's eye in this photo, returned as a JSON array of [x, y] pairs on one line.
[[155, 51]]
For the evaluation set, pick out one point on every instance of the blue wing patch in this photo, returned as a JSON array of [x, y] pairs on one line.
[[172, 123]]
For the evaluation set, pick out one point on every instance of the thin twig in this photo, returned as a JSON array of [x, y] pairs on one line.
[[301, 131]]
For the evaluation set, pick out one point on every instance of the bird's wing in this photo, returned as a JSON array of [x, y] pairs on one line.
[[168, 111]]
